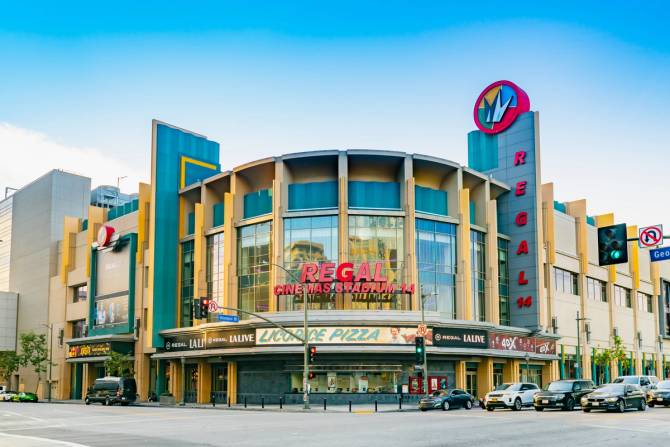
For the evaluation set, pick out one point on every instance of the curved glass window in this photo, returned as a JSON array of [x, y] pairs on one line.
[[215, 270], [478, 265], [253, 268], [309, 239], [436, 262], [379, 239], [503, 281]]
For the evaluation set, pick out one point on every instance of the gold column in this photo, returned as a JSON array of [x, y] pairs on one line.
[[204, 381], [492, 307], [199, 257], [484, 376], [511, 370], [464, 275], [232, 382], [460, 374]]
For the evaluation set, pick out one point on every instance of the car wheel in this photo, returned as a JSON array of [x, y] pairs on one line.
[[643, 405], [651, 404], [108, 402], [517, 405], [445, 405], [423, 409], [88, 401], [587, 410], [468, 405], [569, 404], [489, 408], [539, 409], [621, 406]]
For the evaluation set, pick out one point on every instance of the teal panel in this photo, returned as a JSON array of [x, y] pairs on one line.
[[482, 151], [190, 223], [558, 206], [84, 225], [590, 220], [217, 214], [374, 195], [196, 173], [429, 200], [473, 221], [171, 144], [313, 195], [257, 203]]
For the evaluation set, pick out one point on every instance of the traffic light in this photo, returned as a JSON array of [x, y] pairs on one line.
[[612, 245], [197, 310], [419, 350], [312, 354], [204, 308]]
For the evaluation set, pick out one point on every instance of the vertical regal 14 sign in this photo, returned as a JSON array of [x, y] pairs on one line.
[[505, 148]]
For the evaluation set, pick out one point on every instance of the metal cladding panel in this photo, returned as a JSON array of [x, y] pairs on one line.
[[170, 146], [520, 137]]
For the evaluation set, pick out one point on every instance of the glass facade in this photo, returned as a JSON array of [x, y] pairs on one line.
[[186, 312], [216, 279], [565, 281], [596, 289], [665, 302], [6, 238], [478, 267], [78, 328], [379, 239], [436, 263], [309, 239], [253, 268], [503, 281]]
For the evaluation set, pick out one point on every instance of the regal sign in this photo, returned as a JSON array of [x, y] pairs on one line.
[[460, 338], [329, 277], [212, 339]]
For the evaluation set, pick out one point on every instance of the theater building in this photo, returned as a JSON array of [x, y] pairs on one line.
[[498, 265]]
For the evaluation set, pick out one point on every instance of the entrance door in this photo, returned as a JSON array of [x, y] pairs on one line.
[[220, 382], [76, 379], [191, 386], [471, 379]]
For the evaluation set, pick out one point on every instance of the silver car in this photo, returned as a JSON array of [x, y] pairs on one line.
[[647, 383]]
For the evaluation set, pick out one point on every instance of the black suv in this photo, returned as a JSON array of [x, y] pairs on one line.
[[113, 390], [563, 394]]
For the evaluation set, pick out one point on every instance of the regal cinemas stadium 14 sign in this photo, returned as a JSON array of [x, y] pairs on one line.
[[329, 277]]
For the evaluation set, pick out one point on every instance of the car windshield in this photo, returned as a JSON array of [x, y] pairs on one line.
[[560, 386], [629, 380], [664, 385], [503, 386], [615, 389], [438, 393]]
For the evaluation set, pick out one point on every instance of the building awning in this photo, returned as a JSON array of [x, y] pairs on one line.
[[99, 359]]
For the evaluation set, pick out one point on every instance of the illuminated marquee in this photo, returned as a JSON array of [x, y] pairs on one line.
[[329, 277]]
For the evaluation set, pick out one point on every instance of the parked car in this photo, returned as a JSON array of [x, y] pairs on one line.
[[615, 396], [446, 400], [660, 395], [645, 382], [113, 390], [24, 397], [563, 394], [511, 395], [7, 395]]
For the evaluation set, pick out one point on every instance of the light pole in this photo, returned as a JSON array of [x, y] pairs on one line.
[[424, 385], [305, 373], [578, 367], [527, 357], [51, 345], [118, 188]]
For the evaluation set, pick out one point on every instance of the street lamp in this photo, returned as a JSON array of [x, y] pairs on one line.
[[578, 369], [305, 373], [527, 357], [424, 384], [51, 336], [118, 188]]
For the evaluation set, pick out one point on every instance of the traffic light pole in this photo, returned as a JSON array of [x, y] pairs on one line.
[[424, 382]]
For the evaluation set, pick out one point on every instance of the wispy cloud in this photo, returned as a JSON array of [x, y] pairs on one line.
[[26, 154]]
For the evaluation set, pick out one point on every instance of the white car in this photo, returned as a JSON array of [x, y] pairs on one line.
[[511, 395]]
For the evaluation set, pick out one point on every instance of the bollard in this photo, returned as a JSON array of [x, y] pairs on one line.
[[400, 403], [324, 404], [262, 402], [229, 402], [281, 403], [245, 401], [349, 406], [213, 399], [375, 406]]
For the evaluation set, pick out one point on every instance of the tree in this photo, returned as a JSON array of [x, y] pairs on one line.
[[119, 365], [603, 359], [34, 353], [9, 364], [619, 354]]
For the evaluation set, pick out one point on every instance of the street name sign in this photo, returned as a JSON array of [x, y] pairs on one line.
[[229, 318], [659, 254]]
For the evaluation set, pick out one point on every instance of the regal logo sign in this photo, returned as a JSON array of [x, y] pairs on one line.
[[329, 277]]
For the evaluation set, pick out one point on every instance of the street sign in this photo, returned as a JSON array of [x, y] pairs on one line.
[[650, 236], [422, 330], [659, 254], [213, 306], [229, 318]]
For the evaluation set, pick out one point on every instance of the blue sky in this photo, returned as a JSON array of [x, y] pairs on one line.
[[80, 84]]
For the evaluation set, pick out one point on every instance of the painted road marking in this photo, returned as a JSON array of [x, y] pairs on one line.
[[47, 440]]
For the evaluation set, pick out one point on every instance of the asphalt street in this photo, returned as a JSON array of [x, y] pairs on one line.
[[45, 424]]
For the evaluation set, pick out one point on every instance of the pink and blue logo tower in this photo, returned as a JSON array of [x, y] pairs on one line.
[[499, 105]]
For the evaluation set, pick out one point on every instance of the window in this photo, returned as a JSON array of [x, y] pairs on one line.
[[187, 283], [596, 289], [436, 261], [309, 239], [478, 266], [253, 268], [622, 296], [503, 281], [80, 293], [644, 302], [78, 328], [498, 369], [216, 278], [378, 239], [665, 297], [565, 281]]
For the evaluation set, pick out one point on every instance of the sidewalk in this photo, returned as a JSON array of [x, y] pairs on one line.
[[368, 408]]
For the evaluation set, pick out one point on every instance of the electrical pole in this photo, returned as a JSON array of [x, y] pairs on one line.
[[578, 364]]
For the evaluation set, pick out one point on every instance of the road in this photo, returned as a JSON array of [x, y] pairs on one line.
[[43, 424]]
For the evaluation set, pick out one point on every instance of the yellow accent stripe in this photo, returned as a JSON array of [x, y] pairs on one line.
[[185, 160]]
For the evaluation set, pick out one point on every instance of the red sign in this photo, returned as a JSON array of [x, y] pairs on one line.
[[517, 343], [499, 105], [328, 277], [105, 235]]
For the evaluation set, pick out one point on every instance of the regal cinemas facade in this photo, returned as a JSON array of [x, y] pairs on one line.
[[370, 237]]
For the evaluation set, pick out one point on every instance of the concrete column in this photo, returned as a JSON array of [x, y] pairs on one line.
[[464, 309], [550, 371], [492, 306], [460, 374], [232, 382], [344, 300], [204, 381], [484, 376], [511, 370]]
